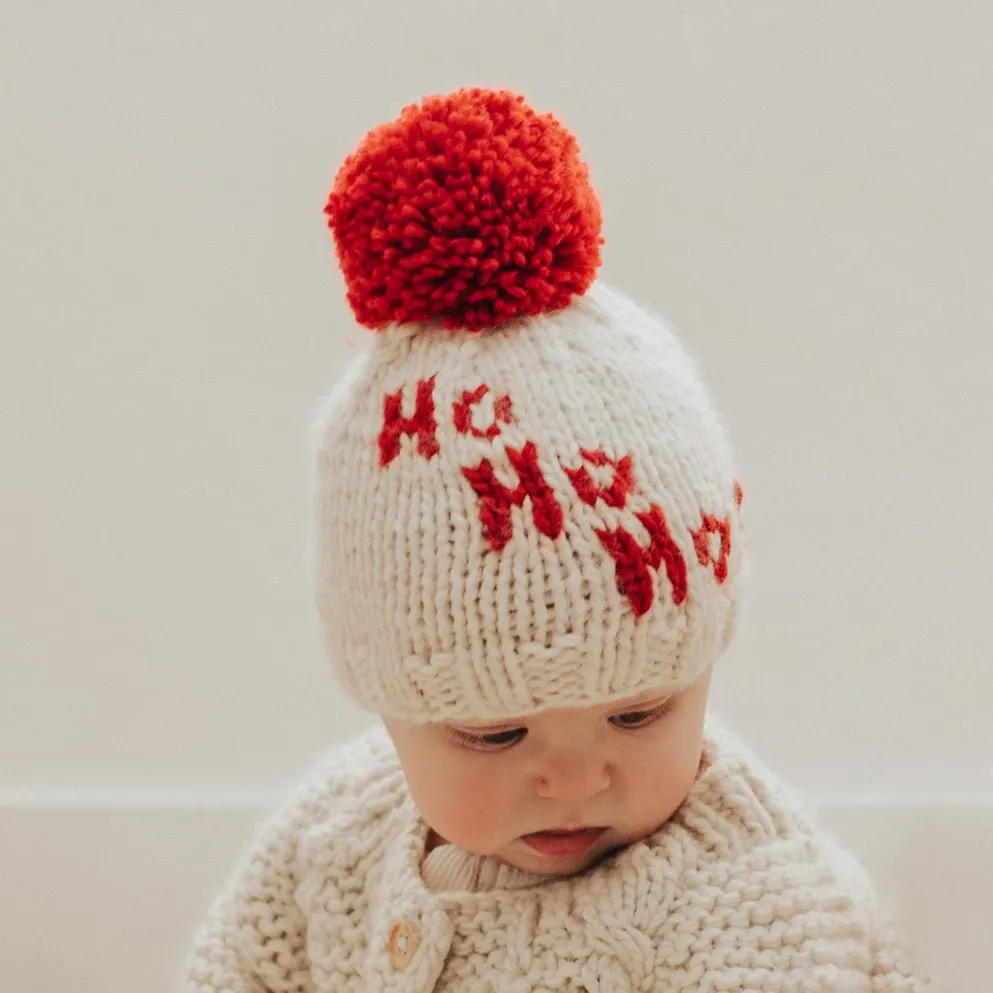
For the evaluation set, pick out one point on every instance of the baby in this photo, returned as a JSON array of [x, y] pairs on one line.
[[529, 556]]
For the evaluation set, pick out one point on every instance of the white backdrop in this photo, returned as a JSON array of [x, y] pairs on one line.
[[804, 190]]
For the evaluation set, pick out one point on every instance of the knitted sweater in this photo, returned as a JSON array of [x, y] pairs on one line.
[[739, 890]]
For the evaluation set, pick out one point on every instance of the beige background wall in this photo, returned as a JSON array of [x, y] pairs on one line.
[[804, 190]]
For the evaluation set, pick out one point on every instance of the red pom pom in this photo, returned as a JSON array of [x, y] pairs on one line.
[[470, 208]]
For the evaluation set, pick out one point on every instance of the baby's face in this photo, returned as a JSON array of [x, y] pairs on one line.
[[496, 789]]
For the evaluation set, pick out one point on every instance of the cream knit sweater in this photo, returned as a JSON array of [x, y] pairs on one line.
[[738, 891]]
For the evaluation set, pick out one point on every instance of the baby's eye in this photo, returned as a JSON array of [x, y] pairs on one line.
[[634, 719], [491, 741]]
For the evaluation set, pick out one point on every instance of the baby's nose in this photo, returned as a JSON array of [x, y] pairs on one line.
[[573, 778]]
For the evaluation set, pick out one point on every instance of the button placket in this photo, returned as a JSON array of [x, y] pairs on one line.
[[402, 945], [410, 948]]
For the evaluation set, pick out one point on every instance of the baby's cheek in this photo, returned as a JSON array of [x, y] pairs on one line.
[[662, 786], [474, 811]]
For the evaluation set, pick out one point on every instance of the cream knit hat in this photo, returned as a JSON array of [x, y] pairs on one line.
[[524, 496]]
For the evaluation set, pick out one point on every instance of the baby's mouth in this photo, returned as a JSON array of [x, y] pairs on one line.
[[563, 844]]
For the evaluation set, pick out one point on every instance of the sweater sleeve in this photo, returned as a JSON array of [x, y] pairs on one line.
[[215, 962], [252, 940], [253, 937]]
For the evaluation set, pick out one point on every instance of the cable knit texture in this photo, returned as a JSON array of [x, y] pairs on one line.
[[739, 891]]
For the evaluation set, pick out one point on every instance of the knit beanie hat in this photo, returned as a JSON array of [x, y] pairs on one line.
[[524, 496]]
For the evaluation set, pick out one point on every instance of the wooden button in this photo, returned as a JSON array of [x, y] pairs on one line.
[[404, 941]]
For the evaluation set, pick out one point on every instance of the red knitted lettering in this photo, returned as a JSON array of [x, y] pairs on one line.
[[462, 413], [621, 486], [633, 563], [501, 408], [422, 425], [739, 494], [496, 499], [701, 541]]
